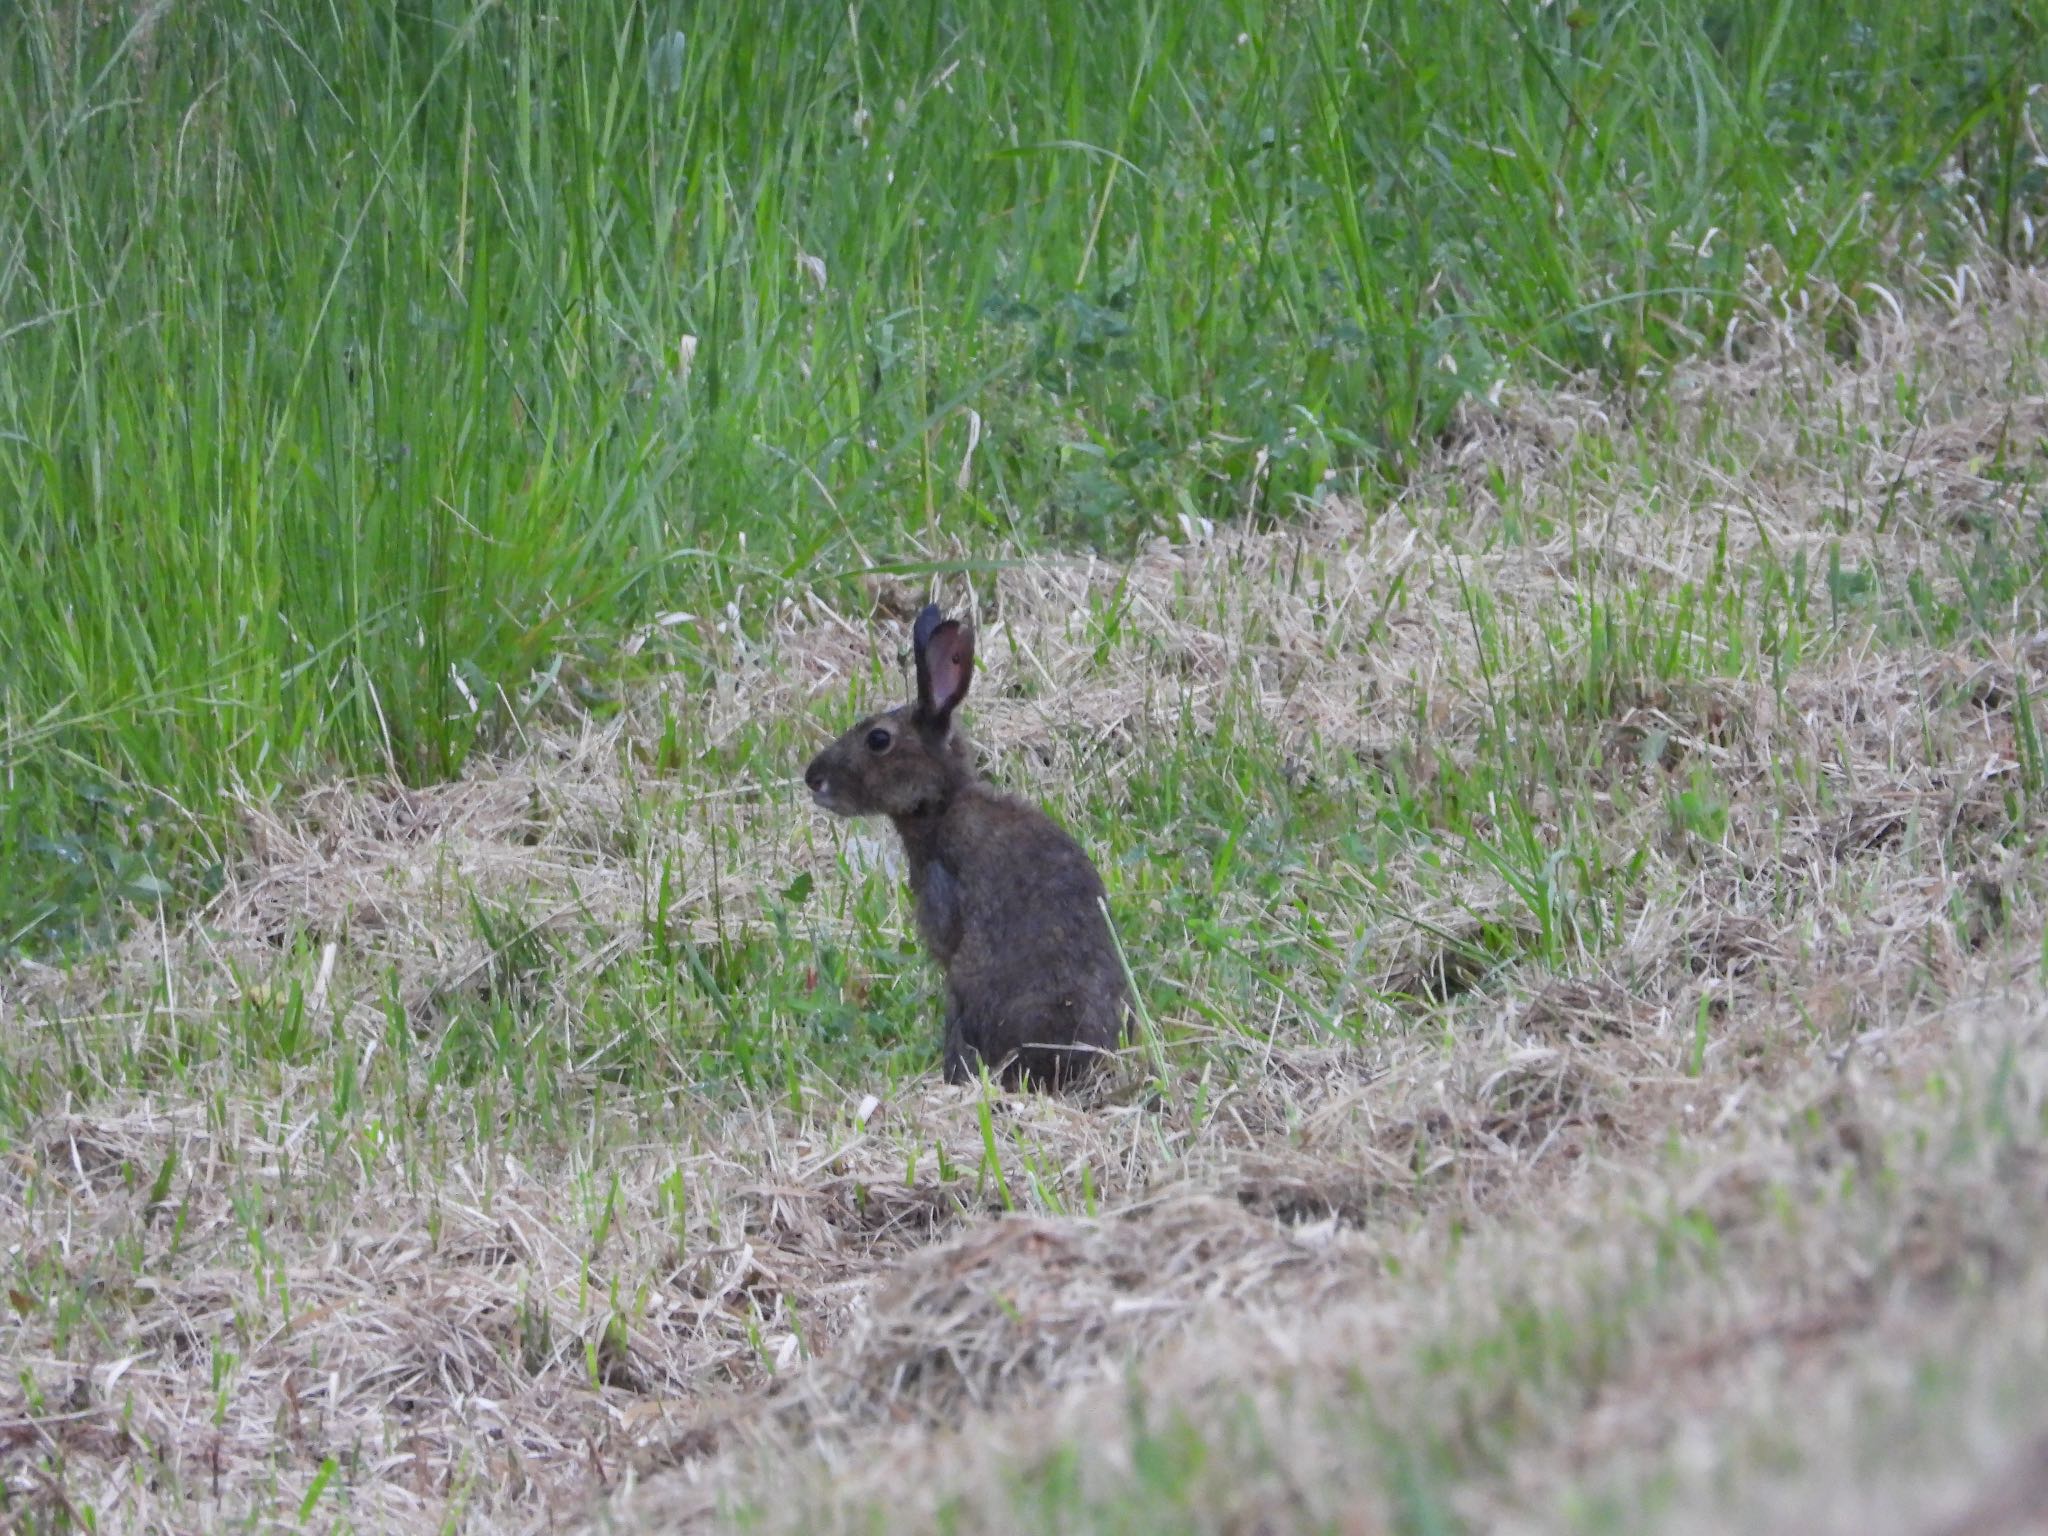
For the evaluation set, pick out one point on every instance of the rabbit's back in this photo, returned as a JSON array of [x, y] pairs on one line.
[[1013, 910]]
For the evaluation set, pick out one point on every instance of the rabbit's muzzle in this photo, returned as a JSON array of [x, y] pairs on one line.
[[820, 784]]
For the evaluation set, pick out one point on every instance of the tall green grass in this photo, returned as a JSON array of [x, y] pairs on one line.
[[358, 363]]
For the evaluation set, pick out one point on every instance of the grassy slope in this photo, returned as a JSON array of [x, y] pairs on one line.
[[1717, 1194], [367, 373], [1515, 864], [1593, 912]]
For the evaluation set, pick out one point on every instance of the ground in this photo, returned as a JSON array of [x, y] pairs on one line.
[[1595, 1073]]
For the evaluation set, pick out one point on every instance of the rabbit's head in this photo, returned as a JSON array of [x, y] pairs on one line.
[[908, 761]]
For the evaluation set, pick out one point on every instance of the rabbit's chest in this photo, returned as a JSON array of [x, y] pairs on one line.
[[939, 910]]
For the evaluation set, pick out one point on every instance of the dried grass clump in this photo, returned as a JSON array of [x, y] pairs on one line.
[[1024, 1306]]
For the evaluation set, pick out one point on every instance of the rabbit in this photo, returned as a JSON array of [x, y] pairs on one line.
[[1007, 903]]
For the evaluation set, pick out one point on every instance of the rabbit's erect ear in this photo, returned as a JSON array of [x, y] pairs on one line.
[[945, 665]]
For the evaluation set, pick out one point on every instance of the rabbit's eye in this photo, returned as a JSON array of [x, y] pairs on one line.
[[878, 740]]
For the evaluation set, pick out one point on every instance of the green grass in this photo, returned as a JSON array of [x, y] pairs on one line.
[[365, 373]]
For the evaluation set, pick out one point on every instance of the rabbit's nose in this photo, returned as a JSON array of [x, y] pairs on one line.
[[814, 776]]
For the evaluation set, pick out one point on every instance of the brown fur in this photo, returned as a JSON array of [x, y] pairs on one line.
[[1007, 902]]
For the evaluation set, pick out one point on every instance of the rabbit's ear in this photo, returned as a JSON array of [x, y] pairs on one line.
[[945, 665]]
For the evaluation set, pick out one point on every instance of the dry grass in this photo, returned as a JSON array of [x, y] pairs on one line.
[[1735, 1310], [1591, 1227]]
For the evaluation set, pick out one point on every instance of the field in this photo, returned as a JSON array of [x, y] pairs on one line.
[[1512, 533]]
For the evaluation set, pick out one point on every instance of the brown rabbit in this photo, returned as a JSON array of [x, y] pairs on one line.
[[1007, 902]]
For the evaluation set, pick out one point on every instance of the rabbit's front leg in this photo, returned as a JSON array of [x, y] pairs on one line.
[[960, 1057]]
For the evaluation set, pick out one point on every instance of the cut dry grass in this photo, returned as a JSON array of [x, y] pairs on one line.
[[1589, 911], [1820, 1278]]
